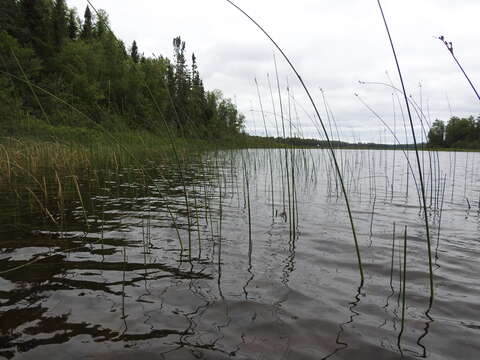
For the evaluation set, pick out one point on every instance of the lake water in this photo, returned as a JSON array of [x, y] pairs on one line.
[[259, 277]]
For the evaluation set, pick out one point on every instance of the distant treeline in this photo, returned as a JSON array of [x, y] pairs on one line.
[[312, 143], [65, 70], [459, 133]]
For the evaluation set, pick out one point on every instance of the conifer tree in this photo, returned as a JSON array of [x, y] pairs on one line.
[[37, 26], [95, 75], [134, 52], [59, 23], [182, 80], [195, 74], [171, 97], [102, 24], [87, 30], [72, 25]]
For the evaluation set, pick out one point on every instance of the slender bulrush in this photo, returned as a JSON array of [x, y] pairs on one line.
[[420, 172], [330, 146], [449, 46], [404, 271], [440, 218], [269, 153], [392, 258], [409, 165]]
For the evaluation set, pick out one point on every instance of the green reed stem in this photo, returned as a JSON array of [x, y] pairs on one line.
[[393, 255], [420, 172], [403, 285], [337, 167], [450, 49]]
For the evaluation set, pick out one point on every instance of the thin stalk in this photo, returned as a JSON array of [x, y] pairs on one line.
[[248, 208], [440, 217], [422, 185], [273, 105], [268, 151], [403, 285], [371, 218], [393, 255], [198, 224], [79, 193], [450, 49], [172, 143], [283, 128], [394, 149], [337, 167], [31, 88]]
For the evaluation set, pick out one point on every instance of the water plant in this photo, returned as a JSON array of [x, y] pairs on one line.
[[449, 46], [419, 165], [325, 132]]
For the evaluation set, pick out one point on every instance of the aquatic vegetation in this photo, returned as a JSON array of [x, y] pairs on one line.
[[180, 246]]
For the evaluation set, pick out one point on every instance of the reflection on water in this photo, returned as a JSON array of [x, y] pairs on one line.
[[268, 267]]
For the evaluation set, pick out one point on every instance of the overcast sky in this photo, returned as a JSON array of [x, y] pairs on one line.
[[333, 43]]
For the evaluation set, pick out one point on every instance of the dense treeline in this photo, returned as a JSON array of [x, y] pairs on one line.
[[457, 133], [316, 143], [63, 70]]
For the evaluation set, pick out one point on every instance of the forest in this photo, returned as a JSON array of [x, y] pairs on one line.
[[58, 69], [61, 71], [458, 133]]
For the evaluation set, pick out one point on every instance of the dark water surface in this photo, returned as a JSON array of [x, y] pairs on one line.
[[121, 288]]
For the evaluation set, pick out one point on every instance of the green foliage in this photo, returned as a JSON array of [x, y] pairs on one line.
[[102, 24], [73, 25], [436, 134], [9, 17], [134, 52], [37, 26], [458, 133], [87, 30], [181, 84], [60, 23], [67, 72], [17, 65]]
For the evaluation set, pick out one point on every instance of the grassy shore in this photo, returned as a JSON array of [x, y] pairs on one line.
[[36, 147]]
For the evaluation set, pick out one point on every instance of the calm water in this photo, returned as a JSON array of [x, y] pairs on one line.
[[122, 288]]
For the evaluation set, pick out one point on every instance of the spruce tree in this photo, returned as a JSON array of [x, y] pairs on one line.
[[72, 25], [59, 23], [102, 24], [37, 25], [171, 96], [35, 28], [87, 30], [182, 80], [195, 74], [134, 52]]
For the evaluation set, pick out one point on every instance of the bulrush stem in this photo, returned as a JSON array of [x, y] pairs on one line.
[[330, 146], [450, 49], [420, 174], [404, 271]]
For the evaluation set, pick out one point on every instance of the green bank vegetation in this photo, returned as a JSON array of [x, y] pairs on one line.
[[74, 98], [458, 133], [66, 71]]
